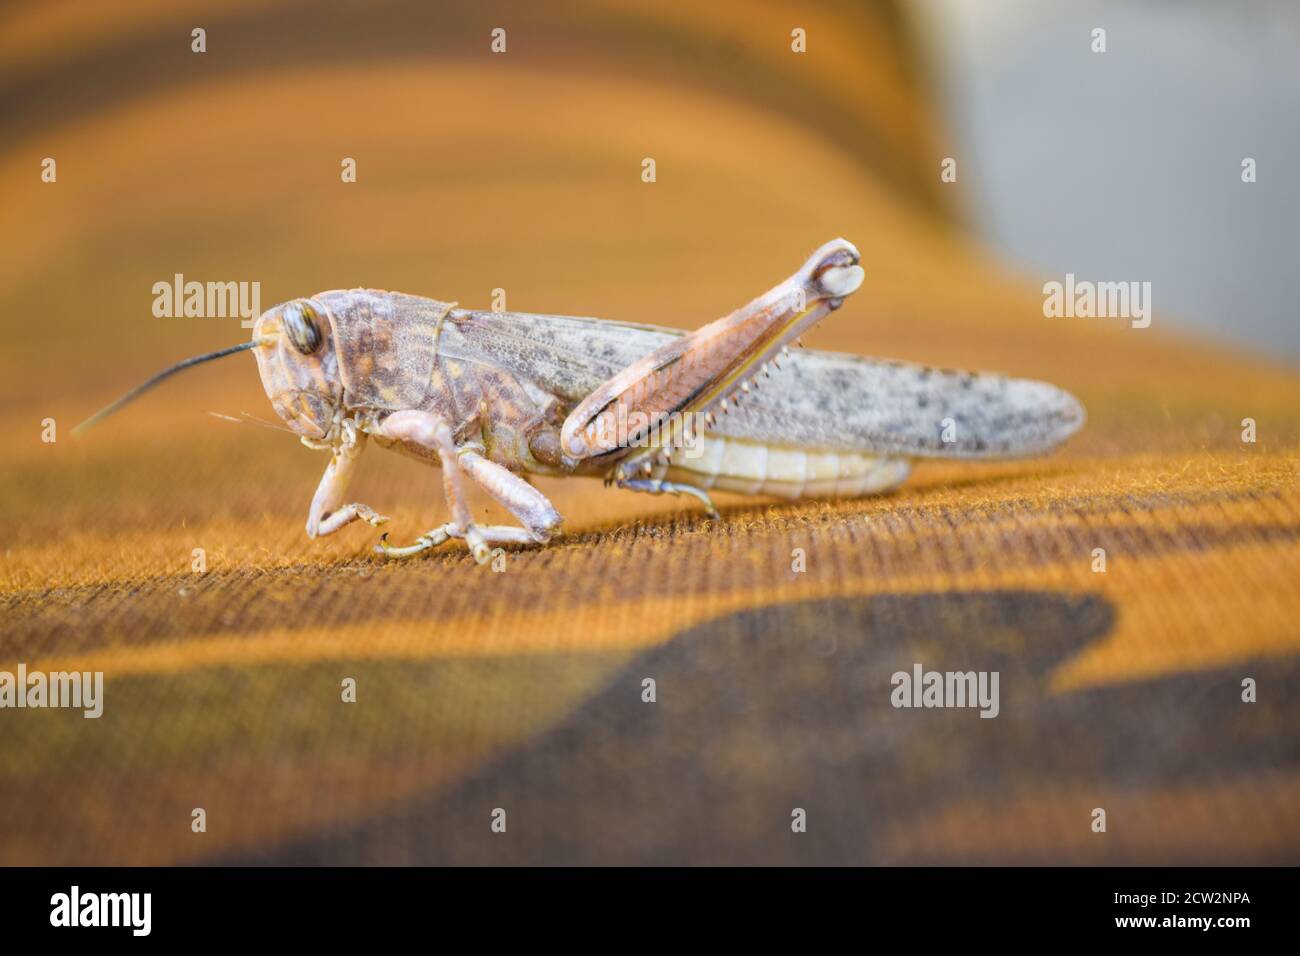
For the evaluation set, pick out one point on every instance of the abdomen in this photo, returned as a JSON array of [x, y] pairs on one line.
[[757, 468]]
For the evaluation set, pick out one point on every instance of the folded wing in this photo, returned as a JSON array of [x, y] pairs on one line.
[[817, 400]]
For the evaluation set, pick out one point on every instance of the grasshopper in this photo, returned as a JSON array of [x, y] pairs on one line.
[[494, 397]]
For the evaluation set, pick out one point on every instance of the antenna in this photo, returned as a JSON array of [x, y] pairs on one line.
[[140, 389]]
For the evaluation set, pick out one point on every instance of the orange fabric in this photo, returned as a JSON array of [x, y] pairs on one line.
[[522, 689]]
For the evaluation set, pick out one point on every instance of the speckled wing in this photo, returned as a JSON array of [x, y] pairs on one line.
[[569, 356], [844, 402], [817, 400]]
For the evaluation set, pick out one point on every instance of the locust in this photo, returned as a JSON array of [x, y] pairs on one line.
[[495, 398]]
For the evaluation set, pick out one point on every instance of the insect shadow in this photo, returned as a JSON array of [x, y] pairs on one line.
[[785, 707]]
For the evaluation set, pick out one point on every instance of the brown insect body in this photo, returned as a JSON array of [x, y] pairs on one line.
[[493, 396], [386, 352]]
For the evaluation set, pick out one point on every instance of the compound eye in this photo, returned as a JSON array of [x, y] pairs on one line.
[[301, 324]]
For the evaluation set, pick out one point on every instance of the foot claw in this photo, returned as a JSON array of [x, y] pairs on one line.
[[478, 545], [430, 539], [421, 544], [480, 540], [657, 487], [474, 538], [370, 516]]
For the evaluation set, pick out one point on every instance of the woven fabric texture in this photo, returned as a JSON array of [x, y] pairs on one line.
[[522, 690]]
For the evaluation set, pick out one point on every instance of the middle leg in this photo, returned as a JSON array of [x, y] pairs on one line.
[[530, 506]]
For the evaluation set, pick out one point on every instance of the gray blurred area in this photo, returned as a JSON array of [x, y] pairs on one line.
[[1127, 165]]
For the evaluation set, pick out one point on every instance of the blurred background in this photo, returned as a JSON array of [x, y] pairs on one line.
[[1128, 164], [522, 170]]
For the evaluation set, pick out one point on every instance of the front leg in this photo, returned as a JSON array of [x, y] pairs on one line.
[[326, 516], [521, 499]]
